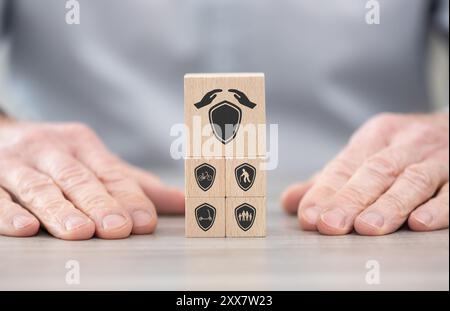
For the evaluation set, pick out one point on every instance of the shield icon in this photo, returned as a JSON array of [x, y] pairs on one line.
[[205, 175], [205, 215], [245, 216], [245, 176], [225, 119]]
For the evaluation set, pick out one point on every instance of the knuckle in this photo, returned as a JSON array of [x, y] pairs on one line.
[[355, 197], [34, 136], [379, 124], [39, 192], [418, 178], [40, 196], [31, 142], [342, 168], [77, 127], [395, 202], [110, 174], [80, 130], [425, 134], [384, 119], [55, 205], [96, 202], [73, 177], [132, 198], [30, 186], [382, 166]]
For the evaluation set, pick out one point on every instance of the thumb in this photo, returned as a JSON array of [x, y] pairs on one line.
[[167, 200], [291, 197]]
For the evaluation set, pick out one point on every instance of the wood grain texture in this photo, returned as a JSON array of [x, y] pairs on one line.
[[257, 228], [194, 229], [237, 186], [198, 179], [202, 143]]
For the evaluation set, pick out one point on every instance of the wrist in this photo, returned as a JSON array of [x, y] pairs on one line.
[[4, 119]]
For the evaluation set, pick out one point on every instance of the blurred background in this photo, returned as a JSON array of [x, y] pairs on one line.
[[120, 70]]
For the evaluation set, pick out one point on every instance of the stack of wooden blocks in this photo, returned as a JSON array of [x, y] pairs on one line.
[[225, 182]]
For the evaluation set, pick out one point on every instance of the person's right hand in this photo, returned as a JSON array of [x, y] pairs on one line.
[[62, 177], [394, 170]]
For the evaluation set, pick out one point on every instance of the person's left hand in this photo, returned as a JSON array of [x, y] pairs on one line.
[[61, 176], [394, 169]]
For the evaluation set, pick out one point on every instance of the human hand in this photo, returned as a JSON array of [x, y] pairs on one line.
[[62, 177], [394, 169]]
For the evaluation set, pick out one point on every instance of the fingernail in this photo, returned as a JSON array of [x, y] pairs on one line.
[[113, 222], [21, 221], [334, 218], [373, 219], [311, 215], [424, 217], [141, 218], [74, 222]]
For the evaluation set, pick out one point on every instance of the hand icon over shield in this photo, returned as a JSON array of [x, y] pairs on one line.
[[225, 117]]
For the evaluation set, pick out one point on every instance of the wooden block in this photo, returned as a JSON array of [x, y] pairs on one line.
[[244, 178], [224, 114], [204, 177], [205, 217], [246, 217]]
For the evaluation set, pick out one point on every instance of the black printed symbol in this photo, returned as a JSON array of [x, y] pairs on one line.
[[225, 117], [245, 216], [208, 98], [205, 215], [245, 176], [205, 175], [242, 98]]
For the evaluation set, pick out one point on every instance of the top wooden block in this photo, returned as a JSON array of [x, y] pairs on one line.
[[224, 75], [225, 115]]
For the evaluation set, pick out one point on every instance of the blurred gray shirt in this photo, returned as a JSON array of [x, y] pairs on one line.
[[121, 70]]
